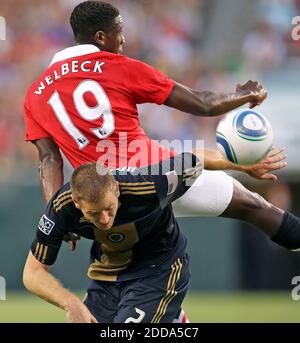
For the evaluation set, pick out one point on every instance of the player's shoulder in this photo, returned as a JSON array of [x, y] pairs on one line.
[[34, 87], [121, 59], [62, 199], [60, 214], [30, 91], [104, 56], [135, 181]]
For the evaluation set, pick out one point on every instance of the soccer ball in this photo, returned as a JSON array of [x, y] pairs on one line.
[[244, 136]]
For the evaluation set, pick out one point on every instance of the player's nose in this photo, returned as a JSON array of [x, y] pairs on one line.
[[104, 218]]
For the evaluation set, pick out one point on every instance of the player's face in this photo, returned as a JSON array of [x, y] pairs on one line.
[[113, 40], [103, 214]]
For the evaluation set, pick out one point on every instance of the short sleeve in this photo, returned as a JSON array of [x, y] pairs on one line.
[[33, 129], [147, 84], [48, 238], [173, 176]]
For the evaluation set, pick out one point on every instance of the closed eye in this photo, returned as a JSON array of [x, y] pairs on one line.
[[92, 214]]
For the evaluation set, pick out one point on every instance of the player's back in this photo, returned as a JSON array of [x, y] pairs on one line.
[[82, 100]]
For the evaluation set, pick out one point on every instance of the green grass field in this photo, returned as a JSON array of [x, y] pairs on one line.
[[200, 307]]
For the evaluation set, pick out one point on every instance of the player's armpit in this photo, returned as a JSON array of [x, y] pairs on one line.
[[71, 238], [46, 146]]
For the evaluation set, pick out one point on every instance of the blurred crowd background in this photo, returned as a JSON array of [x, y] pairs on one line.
[[205, 44]]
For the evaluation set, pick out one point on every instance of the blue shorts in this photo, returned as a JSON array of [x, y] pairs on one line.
[[156, 298]]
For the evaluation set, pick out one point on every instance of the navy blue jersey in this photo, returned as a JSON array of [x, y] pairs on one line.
[[145, 235]]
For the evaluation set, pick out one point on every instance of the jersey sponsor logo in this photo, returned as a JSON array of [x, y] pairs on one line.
[[46, 225], [115, 237]]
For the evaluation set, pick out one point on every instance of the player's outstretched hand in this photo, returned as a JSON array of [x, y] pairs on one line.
[[79, 313], [71, 239], [273, 161], [255, 90]]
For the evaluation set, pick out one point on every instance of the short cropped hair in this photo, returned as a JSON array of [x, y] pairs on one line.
[[91, 16], [90, 182]]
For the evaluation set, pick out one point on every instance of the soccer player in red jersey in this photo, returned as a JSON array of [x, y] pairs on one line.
[[87, 99], [85, 104]]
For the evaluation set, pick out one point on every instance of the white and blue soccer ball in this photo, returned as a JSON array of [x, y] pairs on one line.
[[244, 136]]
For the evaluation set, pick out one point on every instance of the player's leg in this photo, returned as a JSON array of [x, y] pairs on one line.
[[102, 299], [283, 227], [218, 194], [209, 195], [253, 208], [156, 298]]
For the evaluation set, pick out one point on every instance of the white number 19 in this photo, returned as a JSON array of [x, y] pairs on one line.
[[102, 110]]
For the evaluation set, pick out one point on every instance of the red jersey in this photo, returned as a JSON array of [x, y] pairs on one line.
[[86, 101]]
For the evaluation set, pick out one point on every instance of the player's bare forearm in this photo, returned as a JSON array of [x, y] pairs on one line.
[[50, 167], [38, 280], [214, 160], [208, 103]]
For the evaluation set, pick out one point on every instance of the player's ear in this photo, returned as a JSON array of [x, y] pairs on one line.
[[117, 189], [75, 202], [100, 38]]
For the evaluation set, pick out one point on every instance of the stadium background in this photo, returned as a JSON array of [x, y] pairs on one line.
[[237, 273]]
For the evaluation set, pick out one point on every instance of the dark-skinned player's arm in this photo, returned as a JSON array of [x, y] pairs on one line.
[[50, 167], [208, 103], [52, 176], [38, 280], [262, 170]]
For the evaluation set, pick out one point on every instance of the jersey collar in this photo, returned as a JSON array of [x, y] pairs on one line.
[[73, 51]]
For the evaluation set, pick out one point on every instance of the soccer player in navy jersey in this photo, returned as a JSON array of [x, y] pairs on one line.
[[139, 266]]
